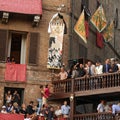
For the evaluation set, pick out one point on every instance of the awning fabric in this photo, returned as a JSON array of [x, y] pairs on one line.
[[11, 116], [22, 6]]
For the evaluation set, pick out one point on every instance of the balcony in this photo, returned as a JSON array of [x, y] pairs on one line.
[[103, 83], [88, 90], [96, 116]]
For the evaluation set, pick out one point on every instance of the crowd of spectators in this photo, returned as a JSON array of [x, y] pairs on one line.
[[89, 69], [32, 111], [44, 111], [113, 108], [104, 107]]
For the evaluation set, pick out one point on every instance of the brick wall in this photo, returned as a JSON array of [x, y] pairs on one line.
[[36, 74]]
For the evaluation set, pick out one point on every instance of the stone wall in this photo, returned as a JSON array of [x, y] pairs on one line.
[[94, 52]]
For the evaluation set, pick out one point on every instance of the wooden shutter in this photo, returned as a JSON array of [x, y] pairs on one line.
[[34, 37], [3, 39]]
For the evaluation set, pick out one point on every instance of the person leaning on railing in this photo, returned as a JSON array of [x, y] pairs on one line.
[[100, 107], [81, 70], [116, 108], [62, 74], [114, 66], [90, 69], [98, 68], [107, 66]]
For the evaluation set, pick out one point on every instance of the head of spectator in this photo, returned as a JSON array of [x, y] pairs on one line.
[[8, 60], [51, 108], [9, 92], [107, 61], [89, 63], [12, 60], [23, 106], [31, 103], [81, 66], [15, 92], [46, 86], [62, 69], [103, 102], [116, 61], [98, 63], [112, 62], [58, 107], [41, 87], [3, 109], [10, 104], [65, 103]]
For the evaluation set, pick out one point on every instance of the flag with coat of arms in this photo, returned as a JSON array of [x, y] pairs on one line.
[[108, 33], [79, 27], [98, 19]]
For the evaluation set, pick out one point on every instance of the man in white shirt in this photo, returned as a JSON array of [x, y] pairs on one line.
[[98, 71], [100, 107], [98, 68]]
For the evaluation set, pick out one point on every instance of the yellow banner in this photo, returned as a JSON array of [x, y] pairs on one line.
[[108, 34], [80, 27], [98, 19]]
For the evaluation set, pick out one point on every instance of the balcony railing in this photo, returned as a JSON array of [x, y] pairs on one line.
[[96, 116], [87, 83], [62, 85]]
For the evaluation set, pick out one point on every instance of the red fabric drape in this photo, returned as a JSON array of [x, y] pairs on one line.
[[33, 7], [87, 28], [15, 72], [99, 40], [11, 117]]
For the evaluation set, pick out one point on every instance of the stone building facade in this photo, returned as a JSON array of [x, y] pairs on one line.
[[35, 49], [90, 50], [37, 42]]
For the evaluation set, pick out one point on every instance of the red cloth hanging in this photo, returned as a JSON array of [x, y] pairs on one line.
[[15, 72], [8, 116], [33, 7], [87, 28], [99, 40]]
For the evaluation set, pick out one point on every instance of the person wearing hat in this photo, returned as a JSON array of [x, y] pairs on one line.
[[3, 109]]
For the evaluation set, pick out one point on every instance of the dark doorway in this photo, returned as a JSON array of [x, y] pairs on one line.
[[16, 46], [19, 90]]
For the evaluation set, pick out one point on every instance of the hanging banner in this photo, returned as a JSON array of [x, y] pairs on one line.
[[55, 43], [80, 27], [15, 72], [99, 40], [108, 33], [98, 19]]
